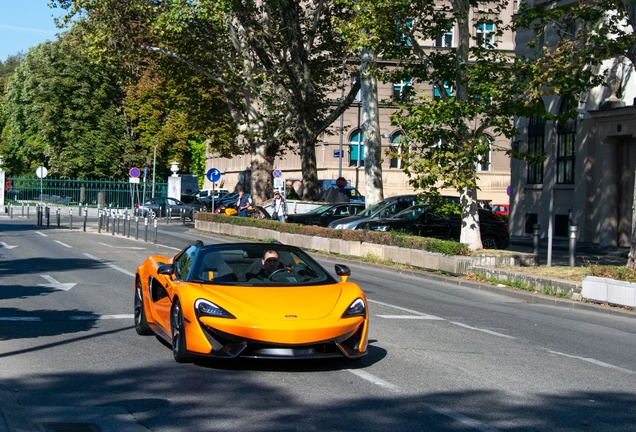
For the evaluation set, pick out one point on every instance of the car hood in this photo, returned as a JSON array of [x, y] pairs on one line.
[[350, 219], [263, 302]]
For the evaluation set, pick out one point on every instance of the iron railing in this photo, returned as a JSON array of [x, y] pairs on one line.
[[106, 193]]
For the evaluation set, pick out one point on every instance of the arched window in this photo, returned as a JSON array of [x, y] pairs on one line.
[[566, 144], [536, 136], [356, 149]]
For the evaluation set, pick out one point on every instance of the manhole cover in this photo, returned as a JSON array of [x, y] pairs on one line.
[[71, 427]]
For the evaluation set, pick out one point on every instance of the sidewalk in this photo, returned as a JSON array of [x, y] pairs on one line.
[[586, 253]]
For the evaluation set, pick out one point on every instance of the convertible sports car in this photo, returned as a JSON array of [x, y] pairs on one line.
[[257, 300]]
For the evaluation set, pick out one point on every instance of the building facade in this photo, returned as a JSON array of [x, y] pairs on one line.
[[587, 179]]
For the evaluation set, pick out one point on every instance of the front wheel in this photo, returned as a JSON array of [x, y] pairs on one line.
[[178, 334], [489, 242], [141, 323]]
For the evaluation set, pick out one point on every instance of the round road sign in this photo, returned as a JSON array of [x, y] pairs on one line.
[[341, 182], [134, 172], [278, 173], [41, 172], [213, 174]]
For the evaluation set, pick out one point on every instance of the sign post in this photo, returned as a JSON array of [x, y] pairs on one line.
[[41, 172], [214, 175], [134, 178], [279, 184]]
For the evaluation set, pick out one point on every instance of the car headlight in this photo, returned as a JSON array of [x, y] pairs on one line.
[[207, 308], [357, 308], [341, 226], [382, 228]]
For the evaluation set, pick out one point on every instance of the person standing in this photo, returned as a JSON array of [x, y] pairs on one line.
[[280, 208], [242, 204]]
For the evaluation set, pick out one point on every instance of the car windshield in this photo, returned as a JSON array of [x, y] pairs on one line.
[[353, 193], [255, 264], [411, 213], [373, 209], [320, 210]]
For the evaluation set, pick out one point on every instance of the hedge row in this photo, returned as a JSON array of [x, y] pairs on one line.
[[392, 238]]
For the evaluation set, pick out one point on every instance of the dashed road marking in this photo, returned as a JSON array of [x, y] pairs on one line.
[[113, 266], [63, 244], [42, 234], [490, 332], [593, 361]]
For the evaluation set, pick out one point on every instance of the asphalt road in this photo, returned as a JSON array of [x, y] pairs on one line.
[[442, 357]]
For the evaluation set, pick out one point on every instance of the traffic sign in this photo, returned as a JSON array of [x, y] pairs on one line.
[[41, 172], [341, 182], [278, 173], [213, 174], [134, 172], [337, 153]]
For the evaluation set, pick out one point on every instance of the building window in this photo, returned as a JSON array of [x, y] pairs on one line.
[[356, 149], [401, 89], [536, 136], [566, 144], [486, 35], [447, 87], [484, 160], [402, 37], [445, 40], [358, 98], [396, 148]]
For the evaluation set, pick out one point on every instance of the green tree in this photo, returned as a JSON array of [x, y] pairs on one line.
[[276, 63]]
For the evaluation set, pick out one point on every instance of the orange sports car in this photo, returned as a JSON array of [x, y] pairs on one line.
[[258, 300]]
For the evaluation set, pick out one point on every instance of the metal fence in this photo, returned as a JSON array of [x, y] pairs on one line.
[[91, 192]]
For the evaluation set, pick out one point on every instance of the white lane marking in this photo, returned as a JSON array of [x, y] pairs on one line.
[[593, 361], [20, 319], [461, 418], [415, 317], [55, 284], [63, 244], [443, 411], [3, 245], [122, 247], [427, 316], [102, 317], [374, 380], [113, 266], [42, 234], [483, 330]]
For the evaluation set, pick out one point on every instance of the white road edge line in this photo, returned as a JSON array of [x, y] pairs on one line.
[[101, 317], [63, 244], [591, 360], [415, 317], [490, 332], [42, 234], [427, 316], [374, 380], [113, 266]]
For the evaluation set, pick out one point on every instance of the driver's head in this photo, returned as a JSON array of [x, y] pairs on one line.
[[270, 260]]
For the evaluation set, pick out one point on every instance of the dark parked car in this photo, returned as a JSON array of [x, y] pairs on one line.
[[419, 220], [327, 213], [159, 207], [218, 197]]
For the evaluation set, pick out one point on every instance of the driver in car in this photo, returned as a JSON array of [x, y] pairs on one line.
[[272, 265]]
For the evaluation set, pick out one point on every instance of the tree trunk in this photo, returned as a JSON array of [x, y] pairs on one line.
[[470, 233], [262, 165], [371, 130], [631, 261], [307, 148]]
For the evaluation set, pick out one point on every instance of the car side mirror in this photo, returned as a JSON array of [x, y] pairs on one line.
[[166, 269], [343, 271], [328, 213]]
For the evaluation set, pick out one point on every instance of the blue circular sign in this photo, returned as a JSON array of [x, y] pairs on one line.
[[278, 173], [134, 172], [213, 174]]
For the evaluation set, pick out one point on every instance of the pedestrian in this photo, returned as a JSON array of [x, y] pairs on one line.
[[280, 207], [242, 204]]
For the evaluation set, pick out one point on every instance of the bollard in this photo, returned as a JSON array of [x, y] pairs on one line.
[[58, 217], [573, 230], [128, 219], [136, 227], [113, 230], [70, 213], [11, 211], [106, 221], [28, 211], [118, 219], [22, 209], [85, 218], [99, 221], [38, 215], [146, 228], [183, 216], [48, 216], [536, 228], [168, 215], [155, 231]]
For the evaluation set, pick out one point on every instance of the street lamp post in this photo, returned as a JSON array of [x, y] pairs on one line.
[[154, 164], [1, 182]]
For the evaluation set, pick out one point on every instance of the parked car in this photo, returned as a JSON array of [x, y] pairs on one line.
[[420, 220], [326, 214], [216, 192], [384, 209], [500, 209], [160, 206], [207, 200]]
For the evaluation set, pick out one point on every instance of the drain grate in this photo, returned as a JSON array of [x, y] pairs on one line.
[[71, 427]]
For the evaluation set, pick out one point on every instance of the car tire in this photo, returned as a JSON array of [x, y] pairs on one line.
[[489, 242], [141, 323], [179, 350]]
